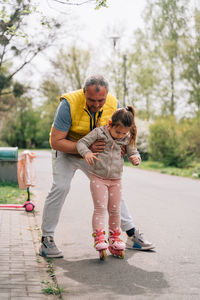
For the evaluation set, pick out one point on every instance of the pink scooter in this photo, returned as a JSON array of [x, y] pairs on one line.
[[28, 205], [26, 179]]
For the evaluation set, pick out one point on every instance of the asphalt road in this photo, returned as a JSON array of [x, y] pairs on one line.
[[166, 208]]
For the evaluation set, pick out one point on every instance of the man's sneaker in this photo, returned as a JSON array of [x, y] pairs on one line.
[[137, 242], [48, 248]]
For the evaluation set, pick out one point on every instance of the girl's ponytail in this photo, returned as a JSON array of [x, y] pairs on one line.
[[133, 129]]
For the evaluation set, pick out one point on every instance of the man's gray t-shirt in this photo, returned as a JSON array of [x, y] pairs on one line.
[[63, 120]]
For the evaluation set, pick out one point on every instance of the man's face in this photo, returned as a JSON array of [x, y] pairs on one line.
[[95, 100]]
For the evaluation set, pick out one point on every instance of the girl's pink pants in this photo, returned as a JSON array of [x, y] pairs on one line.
[[106, 194]]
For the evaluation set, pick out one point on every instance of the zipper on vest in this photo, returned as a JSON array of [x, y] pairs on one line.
[[98, 119], [94, 124], [91, 119]]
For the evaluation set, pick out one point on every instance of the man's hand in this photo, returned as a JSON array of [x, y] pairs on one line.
[[98, 146], [135, 160], [89, 157]]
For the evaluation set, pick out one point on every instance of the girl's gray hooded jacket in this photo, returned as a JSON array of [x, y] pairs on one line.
[[110, 163]]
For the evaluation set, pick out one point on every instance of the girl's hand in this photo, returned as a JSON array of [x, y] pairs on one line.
[[89, 157], [135, 160]]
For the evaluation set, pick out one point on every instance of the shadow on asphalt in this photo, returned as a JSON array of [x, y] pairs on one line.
[[113, 275]]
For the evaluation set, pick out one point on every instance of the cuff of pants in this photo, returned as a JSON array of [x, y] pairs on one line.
[[126, 219], [125, 226]]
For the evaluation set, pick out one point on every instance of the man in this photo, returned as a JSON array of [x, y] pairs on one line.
[[78, 113]]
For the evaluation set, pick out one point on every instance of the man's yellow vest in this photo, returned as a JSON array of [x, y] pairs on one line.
[[82, 121]]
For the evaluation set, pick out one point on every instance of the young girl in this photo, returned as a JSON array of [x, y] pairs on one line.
[[106, 170]]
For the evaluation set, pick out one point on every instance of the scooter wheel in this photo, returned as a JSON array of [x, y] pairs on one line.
[[29, 207]]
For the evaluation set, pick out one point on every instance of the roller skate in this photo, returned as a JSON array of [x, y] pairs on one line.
[[100, 243], [116, 245]]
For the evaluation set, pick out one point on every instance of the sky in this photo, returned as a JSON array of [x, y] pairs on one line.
[[121, 18], [90, 28]]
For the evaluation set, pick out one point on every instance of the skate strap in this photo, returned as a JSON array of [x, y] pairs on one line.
[[98, 233], [114, 240], [114, 236], [99, 241], [99, 237]]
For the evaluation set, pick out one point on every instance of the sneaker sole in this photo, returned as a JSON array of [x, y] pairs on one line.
[[141, 249], [51, 255]]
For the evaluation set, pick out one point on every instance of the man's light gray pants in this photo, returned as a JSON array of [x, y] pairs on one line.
[[64, 167]]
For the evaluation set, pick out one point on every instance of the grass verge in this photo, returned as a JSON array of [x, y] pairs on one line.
[[191, 172], [51, 289], [11, 194]]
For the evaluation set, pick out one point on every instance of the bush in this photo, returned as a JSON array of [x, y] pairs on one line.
[[190, 132], [170, 144]]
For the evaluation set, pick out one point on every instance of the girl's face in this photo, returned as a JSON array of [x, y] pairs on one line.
[[118, 132]]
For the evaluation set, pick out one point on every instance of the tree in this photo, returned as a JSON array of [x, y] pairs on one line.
[[69, 70], [72, 67], [114, 70], [191, 63], [22, 130], [144, 75], [19, 46], [98, 3], [50, 93], [168, 22]]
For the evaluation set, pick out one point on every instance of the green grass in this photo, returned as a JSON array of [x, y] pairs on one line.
[[191, 172], [11, 194], [51, 289]]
